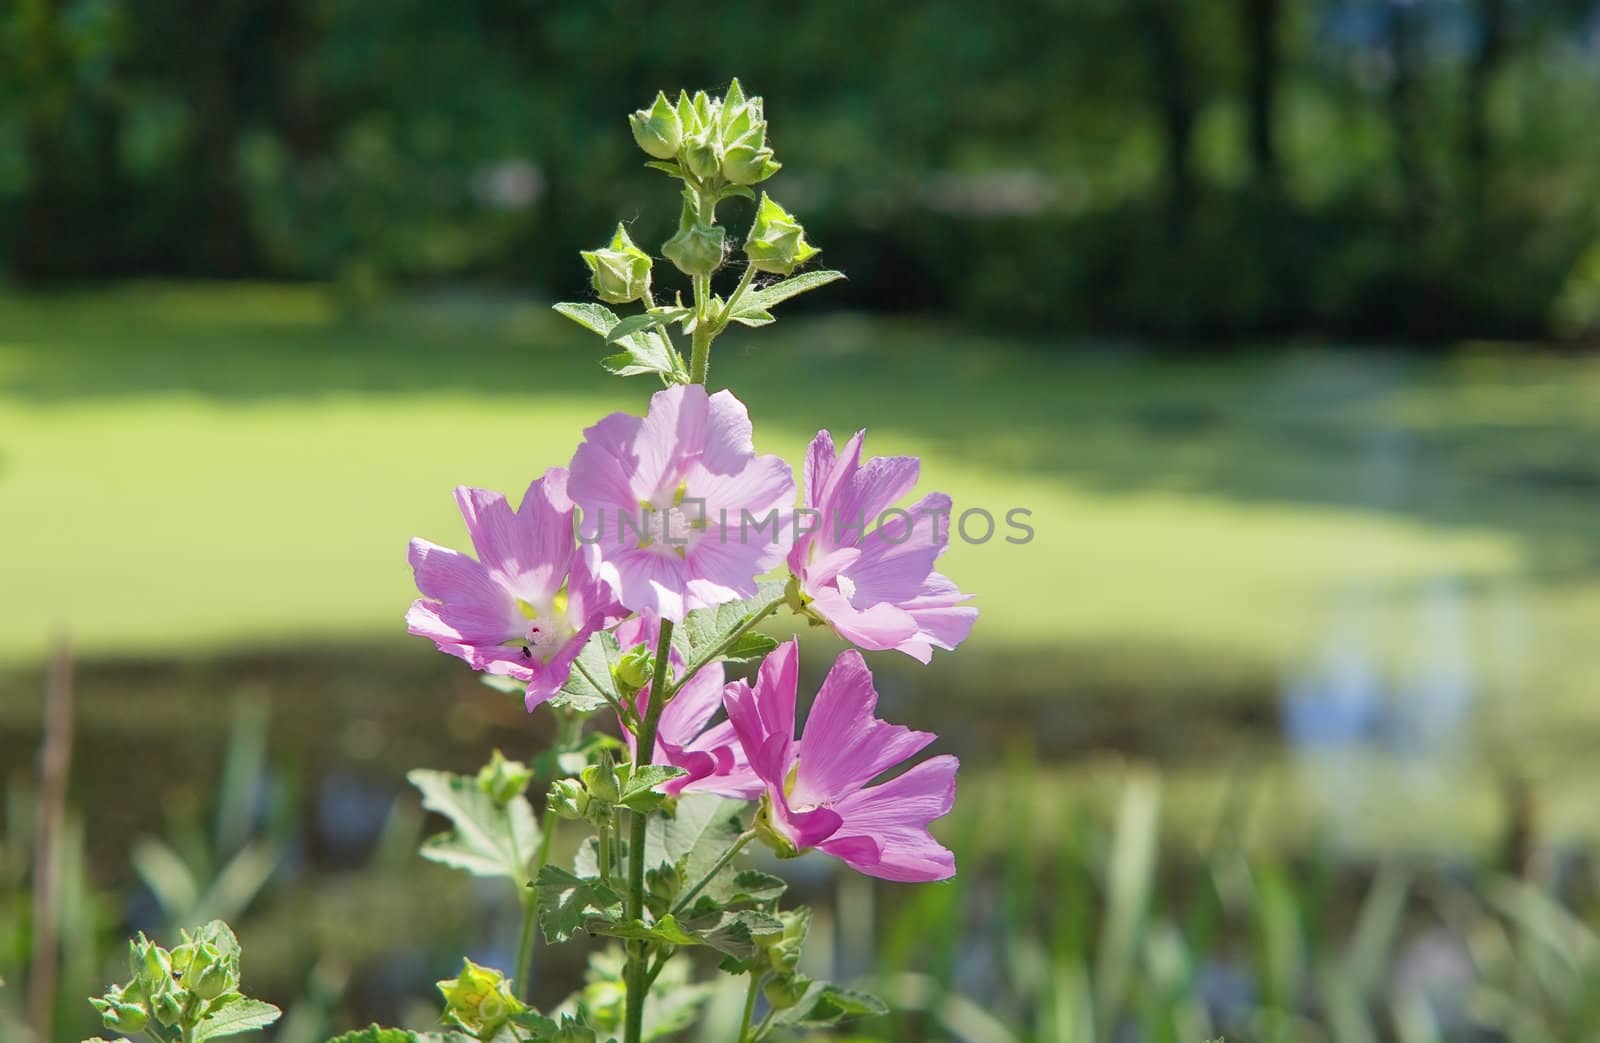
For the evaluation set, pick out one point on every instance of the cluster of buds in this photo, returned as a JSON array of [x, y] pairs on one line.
[[504, 780], [718, 148], [479, 1001], [708, 138], [592, 797], [176, 987]]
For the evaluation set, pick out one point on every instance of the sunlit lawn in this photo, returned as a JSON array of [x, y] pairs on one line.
[[188, 469]]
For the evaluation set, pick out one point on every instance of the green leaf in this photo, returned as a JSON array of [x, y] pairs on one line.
[[640, 792], [826, 1004], [755, 317], [631, 325], [488, 840], [752, 885], [695, 835], [569, 903], [591, 685], [646, 353], [778, 292], [240, 1015], [666, 166], [703, 630], [672, 1002], [595, 317], [735, 933], [375, 1034], [742, 191], [666, 930]]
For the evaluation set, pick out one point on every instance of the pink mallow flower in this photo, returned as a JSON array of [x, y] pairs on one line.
[[529, 602], [683, 512], [867, 570], [712, 756], [816, 786]]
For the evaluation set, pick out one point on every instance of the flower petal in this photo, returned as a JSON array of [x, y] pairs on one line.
[[844, 746]]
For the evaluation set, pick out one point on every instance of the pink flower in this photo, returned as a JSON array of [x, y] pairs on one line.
[[876, 587], [682, 510], [816, 786], [529, 602], [712, 756]]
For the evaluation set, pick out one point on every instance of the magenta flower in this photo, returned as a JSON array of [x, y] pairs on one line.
[[529, 602], [876, 587], [683, 511], [817, 792]]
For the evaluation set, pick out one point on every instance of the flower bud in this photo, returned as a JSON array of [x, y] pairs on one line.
[[702, 153], [479, 999], [664, 881], [697, 248], [121, 1011], [783, 951], [503, 780], [658, 129], [620, 272], [568, 799], [167, 1005], [151, 964], [600, 778], [749, 160], [634, 669], [209, 974], [785, 992], [776, 243]]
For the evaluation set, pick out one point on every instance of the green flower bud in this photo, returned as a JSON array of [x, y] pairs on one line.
[[151, 964], [575, 1031], [167, 1005], [633, 670], [504, 780], [783, 951], [209, 974], [702, 153], [749, 160], [664, 881], [121, 1012], [785, 992], [620, 272], [479, 999], [697, 248], [658, 129], [600, 778], [776, 243], [568, 799]]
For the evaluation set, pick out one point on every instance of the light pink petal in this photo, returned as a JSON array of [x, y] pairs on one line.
[[731, 440], [474, 608], [876, 628], [650, 582], [763, 484], [692, 707], [838, 479], [820, 572], [942, 620], [548, 678], [671, 436], [897, 557], [723, 573], [601, 479], [763, 717], [820, 457], [844, 746], [528, 551], [878, 484], [423, 620], [895, 815]]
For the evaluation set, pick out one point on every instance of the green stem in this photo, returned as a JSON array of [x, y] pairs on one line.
[[700, 340], [749, 1005], [660, 692], [530, 911], [727, 856]]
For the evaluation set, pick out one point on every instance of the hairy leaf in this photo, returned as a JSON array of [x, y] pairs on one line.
[[569, 903], [487, 840], [591, 686], [705, 629], [666, 930], [240, 1015], [827, 1004], [766, 297]]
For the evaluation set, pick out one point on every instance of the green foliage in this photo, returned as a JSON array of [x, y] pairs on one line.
[[192, 989], [569, 903], [488, 838]]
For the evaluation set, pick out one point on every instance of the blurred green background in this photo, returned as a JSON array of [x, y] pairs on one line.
[[1277, 315]]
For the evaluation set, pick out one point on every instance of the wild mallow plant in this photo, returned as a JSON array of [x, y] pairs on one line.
[[627, 587]]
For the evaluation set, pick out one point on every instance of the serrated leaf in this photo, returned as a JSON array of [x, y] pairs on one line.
[[752, 885], [594, 317], [645, 353], [633, 324], [695, 835], [666, 166], [487, 840], [735, 933], [591, 685], [666, 930], [755, 317], [640, 792], [778, 292], [242, 1015], [826, 1004], [568, 903], [742, 191], [375, 1034], [703, 630]]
